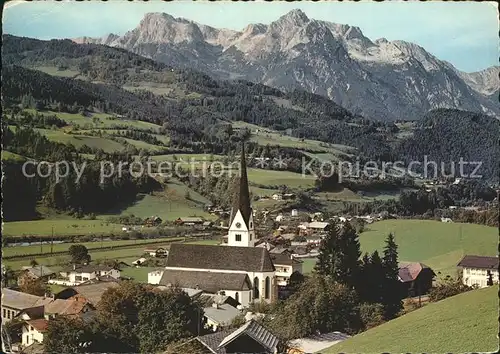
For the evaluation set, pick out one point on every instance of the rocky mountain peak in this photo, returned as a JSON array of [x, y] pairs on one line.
[[295, 18]]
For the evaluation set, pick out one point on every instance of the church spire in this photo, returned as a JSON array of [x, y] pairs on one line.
[[241, 199]]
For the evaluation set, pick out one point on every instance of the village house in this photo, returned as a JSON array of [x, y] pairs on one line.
[[252, 337], [313, 227], [35, 273], [90, 293], [416, 278], [13, 302], [156, 251], [190, 221], [153, 221], [80, 274], [218, 316], [285, 265], [33, 331], [477, 270]]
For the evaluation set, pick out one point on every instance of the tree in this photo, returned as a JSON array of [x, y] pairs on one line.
[[33, 286], [489, 282], [327, 251], [391, 297], [67, 335], [320, 305], [165, 317], [339, 254], [372, 278], [79, 254]]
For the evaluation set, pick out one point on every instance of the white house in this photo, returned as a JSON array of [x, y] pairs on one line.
[[155, 276], [477, 270], [446, 220], [78, 275], [219, 316], [33, 331], [285, 265], [277, 196]]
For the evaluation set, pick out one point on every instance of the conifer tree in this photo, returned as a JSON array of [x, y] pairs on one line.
[[391, 294]]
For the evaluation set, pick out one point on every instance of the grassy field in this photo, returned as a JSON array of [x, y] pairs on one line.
[[439, 245], [308, 265], [264, 136], [78, 141], [46, 248], [98, 120], [10, 156], [51, 70], [168, 205], [463, 323], [68, 227], [276, 178]]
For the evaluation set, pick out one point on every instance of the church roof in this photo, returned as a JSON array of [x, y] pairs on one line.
[[211, 282], [248, 259], [241, 198]]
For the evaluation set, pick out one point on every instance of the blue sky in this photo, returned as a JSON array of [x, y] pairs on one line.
[[463, 33]]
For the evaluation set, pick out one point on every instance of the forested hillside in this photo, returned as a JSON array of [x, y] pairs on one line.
[[448, 135]]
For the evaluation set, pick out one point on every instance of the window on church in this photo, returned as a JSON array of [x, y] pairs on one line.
[[251, 224], [250, 237], [237, 297], [267, 288], [238, 237]]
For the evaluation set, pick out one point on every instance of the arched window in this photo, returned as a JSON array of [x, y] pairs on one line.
[[237, 297], [267, 289], [256, 288]]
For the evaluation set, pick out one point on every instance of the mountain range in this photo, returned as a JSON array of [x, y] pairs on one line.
[[379, 79]]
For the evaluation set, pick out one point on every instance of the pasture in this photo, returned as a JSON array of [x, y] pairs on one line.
[[465, 323], [439, 245]]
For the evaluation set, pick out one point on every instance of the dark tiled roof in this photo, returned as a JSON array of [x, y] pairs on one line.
[[241, 198], [212, 341], [88, 268], [410, 271], [283, 259], [256, 331], [211, 282], [249, 259], [480, 262]]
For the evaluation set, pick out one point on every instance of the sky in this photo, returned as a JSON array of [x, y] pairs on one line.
[[462, 33]]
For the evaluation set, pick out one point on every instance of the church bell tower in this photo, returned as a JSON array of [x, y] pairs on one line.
[[241, 229]]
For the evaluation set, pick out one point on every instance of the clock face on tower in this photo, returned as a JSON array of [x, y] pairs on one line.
[[238, 225]]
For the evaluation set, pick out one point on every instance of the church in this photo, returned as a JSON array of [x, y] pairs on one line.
[[237, 269]]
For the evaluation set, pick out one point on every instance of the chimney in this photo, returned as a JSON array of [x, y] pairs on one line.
[[215, 305]]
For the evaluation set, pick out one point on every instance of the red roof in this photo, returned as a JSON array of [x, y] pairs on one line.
[[410, 271], [39, 324]]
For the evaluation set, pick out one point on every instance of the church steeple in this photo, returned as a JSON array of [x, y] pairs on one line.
[[241, 232]]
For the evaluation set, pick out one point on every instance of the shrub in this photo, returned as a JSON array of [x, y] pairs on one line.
[[446, 288], [371, 315]]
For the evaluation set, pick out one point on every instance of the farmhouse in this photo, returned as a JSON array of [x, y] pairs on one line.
[[478, 270], [416, 278], [153, 221], [34, 273], [252, 337]]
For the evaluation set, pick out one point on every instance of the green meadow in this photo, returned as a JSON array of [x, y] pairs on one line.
[[465, 323]]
